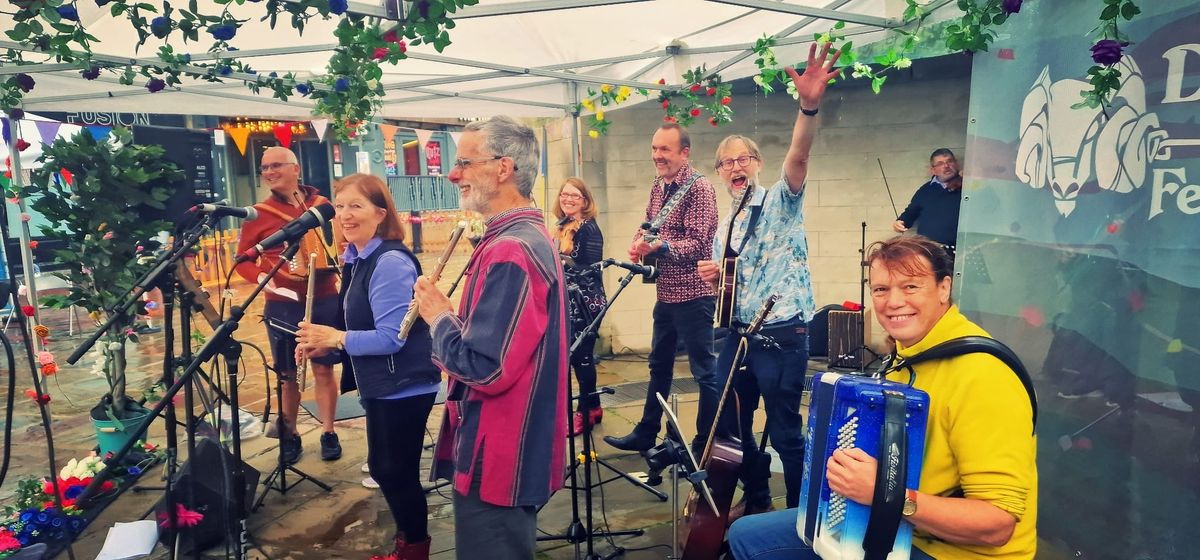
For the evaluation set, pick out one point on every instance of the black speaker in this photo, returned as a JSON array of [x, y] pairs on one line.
[[200, 487], [192, 152]]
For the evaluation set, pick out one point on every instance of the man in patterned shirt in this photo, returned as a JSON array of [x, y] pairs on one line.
[[768, 236], [686, 303]]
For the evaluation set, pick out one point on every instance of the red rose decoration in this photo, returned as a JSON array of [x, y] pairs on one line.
[[662, 81], [725, 100], [695, 88], [713, 121], [33, 244], [22, 145], [34, 397], [666, 104], [712, 91], [50, 369], [28, 310], [695, 112], [669, 119], [380, 53]]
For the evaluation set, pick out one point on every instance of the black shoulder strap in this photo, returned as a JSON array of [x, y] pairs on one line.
[[891, 469], [971, 345]]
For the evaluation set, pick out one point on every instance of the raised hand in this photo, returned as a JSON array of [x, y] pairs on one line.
[[811, 85]]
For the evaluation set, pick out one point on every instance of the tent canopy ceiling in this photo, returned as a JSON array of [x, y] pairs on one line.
[[515, 57]]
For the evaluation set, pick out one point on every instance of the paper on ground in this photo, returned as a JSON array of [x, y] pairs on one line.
[[129, 540]]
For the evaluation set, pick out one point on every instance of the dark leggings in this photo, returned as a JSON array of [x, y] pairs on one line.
[[583, 361], [395, 439]]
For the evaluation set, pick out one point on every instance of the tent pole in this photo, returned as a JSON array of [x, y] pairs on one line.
[[18, 181], [573, 113]]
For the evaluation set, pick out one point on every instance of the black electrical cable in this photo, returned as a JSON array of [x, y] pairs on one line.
[[10, 401]]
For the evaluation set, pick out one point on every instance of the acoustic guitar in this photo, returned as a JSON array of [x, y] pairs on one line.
[[727, 281], [702, 534]]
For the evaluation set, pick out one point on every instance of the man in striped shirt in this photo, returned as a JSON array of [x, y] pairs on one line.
[[503, 435]]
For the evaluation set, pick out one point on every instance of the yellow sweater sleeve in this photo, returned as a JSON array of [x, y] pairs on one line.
[[991, 429]]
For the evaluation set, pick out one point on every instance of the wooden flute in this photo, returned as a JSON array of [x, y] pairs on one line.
[[410, 318]]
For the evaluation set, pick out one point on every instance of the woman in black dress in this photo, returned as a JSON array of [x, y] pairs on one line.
[[581, 245]]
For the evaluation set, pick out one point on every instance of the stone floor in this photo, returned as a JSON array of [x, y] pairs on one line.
[[351, 521]]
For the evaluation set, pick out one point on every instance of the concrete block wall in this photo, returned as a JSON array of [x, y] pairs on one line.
[[919, 110]]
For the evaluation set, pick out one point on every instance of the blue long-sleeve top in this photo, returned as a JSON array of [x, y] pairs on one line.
[[391, 288]]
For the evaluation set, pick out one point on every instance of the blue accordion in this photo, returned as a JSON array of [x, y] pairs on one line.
[[848, 411]]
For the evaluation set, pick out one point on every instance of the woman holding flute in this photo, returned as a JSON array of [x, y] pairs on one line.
[[396, 379]]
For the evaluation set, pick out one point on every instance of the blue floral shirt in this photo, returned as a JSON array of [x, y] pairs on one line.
[[774, 260]]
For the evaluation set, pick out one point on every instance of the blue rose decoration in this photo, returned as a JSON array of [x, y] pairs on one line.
[[342, 84], [338, 6], [223, 32], [160, 26], [69, 12], [303, 89]]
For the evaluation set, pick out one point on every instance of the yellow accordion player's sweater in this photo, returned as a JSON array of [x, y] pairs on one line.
[[979, 439]]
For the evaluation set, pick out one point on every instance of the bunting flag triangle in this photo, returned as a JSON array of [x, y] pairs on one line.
[[239, 135], [388, 131], [6, 130], [48, 130], [99, 132], [320, 126], [423, 137], [454, 136]]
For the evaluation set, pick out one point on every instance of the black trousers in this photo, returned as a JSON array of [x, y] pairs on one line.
[[583, 361], [691, 321], [395, 439]]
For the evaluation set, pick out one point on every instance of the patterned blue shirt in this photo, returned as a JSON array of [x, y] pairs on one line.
[[774, 260]]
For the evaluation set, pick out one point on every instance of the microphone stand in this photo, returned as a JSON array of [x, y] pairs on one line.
[[577, 532], [220, 342]]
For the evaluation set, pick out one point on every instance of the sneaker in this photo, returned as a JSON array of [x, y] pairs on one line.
[[370, 483], [293, 447], [366, 468], [331, 448]]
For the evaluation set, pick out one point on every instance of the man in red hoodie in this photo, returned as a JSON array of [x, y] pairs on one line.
[[285, 296]]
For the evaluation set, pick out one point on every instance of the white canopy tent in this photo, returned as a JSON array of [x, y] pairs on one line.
[[515, 57]]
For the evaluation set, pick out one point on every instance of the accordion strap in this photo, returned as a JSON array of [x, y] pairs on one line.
[[891, 471], [971, 345]]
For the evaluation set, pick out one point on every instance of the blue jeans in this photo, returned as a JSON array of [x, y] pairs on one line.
[[773, 536], [776, 374]]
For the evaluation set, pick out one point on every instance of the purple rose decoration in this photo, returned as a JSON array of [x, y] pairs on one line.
[[155, 85], [160, 26], [68, 12], [342, 84], [1106, 52], [25, 82], [338, 6], [16, 114], [91, 72], [1010, 7], [223, 32], [102, 3]]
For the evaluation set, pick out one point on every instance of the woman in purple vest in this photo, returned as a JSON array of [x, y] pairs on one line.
[[396, 380]]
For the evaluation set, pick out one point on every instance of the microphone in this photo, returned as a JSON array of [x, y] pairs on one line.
[[218, 210], [295, 229], [648, 271]]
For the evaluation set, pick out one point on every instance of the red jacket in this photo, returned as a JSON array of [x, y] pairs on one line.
[[267, 223]]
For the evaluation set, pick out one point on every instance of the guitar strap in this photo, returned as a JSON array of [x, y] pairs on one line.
[[671, 203], [755, 213]]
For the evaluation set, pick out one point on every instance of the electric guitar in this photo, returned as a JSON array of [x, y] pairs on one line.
[[651, 229], [727, 286]]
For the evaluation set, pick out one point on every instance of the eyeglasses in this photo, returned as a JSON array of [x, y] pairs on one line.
[[741, 160], [464, 163], [570, 196], [267, 167]]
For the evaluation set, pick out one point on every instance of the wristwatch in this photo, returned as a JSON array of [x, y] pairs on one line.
[[910, 503], [341, 342]]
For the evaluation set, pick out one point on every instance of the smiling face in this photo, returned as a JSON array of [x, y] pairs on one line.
[[735, 174], [358, 217], [907, 299], [667, 153], [279, 170], [571, 201], [478, 183]]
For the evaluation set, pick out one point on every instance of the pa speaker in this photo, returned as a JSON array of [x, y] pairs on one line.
[[192, 152], [201, 487]]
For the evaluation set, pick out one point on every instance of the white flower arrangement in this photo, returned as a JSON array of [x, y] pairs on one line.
[[82, 468]]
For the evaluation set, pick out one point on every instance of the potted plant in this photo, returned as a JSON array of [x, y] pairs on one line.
[[94, 194]]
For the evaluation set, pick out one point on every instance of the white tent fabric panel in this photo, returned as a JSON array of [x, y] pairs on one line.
[[551, 43]]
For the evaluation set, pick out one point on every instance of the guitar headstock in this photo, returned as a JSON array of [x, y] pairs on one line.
[[761, 317]]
